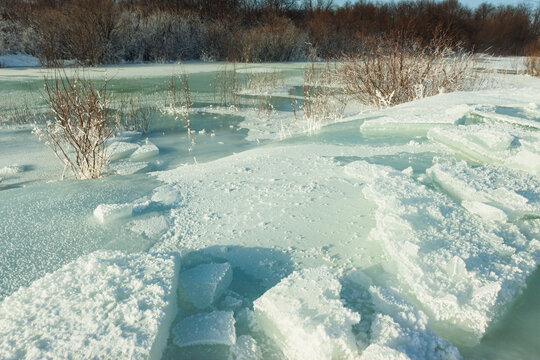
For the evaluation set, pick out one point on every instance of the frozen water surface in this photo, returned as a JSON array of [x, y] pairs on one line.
[[411, 232]]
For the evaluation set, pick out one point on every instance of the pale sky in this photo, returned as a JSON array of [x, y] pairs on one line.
[[475, 3]]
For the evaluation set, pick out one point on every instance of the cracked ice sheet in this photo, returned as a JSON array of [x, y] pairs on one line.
[[514, 192], [462, 272], [280, 198], [104, 305]]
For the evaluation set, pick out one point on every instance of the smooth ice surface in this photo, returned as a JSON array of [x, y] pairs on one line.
[[204, 284], [462, 272], [111, 212], [214, 328], [514, 192], [304, 315], [108, 305]]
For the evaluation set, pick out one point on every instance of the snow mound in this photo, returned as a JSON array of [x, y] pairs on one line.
[[204, 284], [107, 305], [145, 151], [517, 194], [111, 212], [215, 328], [117, 150], [304, 315], [407, 123], [500, 144], [461, 271]]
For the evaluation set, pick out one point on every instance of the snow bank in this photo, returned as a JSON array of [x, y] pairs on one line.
[[407, 123], [514, 192], [304, 315], [462, 272], [18, 60], [500, 144], [104, 305]]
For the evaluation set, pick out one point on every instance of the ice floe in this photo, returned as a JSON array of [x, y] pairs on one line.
[[204, 284], [214, 328]]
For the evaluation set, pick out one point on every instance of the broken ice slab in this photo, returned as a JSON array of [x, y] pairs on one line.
[[167, 195], [153, 226], [411, 123], [117, 150], [512, 120], [493, 192], [111, 212], [304, 316], [461, 271], [204, 284], [106, 305], [127, 167], [215, 328], [145, 151], [500, 144]]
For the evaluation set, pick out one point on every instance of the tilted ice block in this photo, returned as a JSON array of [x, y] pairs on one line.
[[411, 123], [305, 317], [106, 305], [204, 284], [500, 144], [490, 116], [144, 152], [514, 192], [461, 271], [119, 150], [215, 328], [110, 212]]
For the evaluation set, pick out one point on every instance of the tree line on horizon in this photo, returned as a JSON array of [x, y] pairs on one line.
[[114, 31]]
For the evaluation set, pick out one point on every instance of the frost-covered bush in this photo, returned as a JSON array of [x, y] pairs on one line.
[[16, 37], [395, 69], [81, 125]]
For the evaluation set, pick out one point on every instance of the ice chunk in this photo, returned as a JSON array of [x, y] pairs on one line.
[[128, 167], [167, 195], [118, 150], [204, 284], [246, 348], [500, 144], [215, 328], [144, 152], [484, 190], [150, 227], [106, 305], [461, 271], [491, 116], [304, 315], [111, 212]]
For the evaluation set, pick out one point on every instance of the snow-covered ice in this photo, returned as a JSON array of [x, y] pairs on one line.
[[117, 150], [214, 328], [128, 167], [204, 284], [463, 272], [304, 315], [106, 305], [145, 151]]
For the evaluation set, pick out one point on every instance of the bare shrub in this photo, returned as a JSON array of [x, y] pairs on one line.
[[322, 100], [396, 69], [226, 86], [81, 125], [134, 115]]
